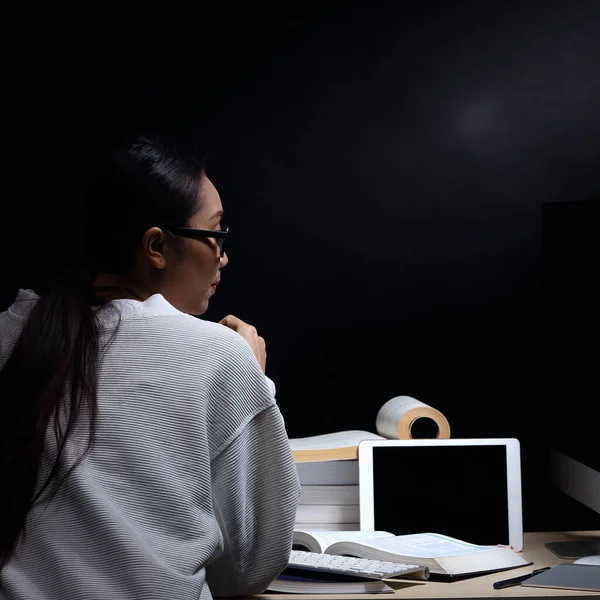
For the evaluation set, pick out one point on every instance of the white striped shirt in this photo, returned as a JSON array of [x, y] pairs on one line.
[[190, 486]]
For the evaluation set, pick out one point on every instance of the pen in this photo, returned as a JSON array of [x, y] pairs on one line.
[[499, 585]]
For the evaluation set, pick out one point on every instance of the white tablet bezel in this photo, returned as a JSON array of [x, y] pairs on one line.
[[513, 478]]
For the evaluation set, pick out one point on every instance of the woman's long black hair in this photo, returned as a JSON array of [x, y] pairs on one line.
[[48, 384]]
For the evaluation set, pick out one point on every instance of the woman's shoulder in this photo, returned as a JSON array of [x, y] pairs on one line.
[[196, 326], [177, 330], [212, 346], [199, 331], [156, 313], [23, 303]]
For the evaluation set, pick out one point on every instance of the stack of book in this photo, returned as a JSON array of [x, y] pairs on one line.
[[329, 497], [328, 464]]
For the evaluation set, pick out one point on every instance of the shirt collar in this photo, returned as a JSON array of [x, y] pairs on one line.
[[155, 305]]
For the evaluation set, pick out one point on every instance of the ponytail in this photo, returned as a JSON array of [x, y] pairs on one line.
[[51, 374]]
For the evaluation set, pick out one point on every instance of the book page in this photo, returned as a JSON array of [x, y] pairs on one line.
[[495, 559], [324, 539], [397, 416], [426, 545], [441, 554], [329, 441]]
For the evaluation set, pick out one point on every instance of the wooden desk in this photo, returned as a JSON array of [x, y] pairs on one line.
[[476, 587]]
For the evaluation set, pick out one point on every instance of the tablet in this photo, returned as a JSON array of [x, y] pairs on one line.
[[469, 489], [567, 577]]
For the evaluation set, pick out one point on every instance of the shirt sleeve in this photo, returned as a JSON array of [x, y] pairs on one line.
[[255, 495], [271, 385]]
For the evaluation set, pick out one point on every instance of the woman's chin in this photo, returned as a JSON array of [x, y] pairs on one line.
[[201, 308]]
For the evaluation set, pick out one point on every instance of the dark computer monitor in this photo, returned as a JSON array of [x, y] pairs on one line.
[[571, 258]]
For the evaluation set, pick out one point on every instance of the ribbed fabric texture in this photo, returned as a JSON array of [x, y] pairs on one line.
[[190, 487]]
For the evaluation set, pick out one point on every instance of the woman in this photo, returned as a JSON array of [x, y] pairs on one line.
[[143, 454]]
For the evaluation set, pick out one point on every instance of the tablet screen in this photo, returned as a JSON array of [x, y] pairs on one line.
[[460, 491]]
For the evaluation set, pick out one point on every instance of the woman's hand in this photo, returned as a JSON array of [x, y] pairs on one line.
[[249, 333]]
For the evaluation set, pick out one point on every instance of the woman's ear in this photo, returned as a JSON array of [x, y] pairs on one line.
[[154, 244]]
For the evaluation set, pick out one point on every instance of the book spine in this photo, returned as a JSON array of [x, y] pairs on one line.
[[332, 472], [323, 526], [329, 494], [331, 513]]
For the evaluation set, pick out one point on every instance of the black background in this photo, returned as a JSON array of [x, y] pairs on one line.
[[383, 166]]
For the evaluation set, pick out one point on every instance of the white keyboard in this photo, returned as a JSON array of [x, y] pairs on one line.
[[349, 565]]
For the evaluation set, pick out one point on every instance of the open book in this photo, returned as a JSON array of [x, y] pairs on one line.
[[443, 555], [402, 417]]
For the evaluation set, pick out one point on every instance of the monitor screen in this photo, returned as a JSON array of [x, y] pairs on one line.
[[441, 490]]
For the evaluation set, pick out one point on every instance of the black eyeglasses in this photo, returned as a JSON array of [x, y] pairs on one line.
[[197, 234]]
